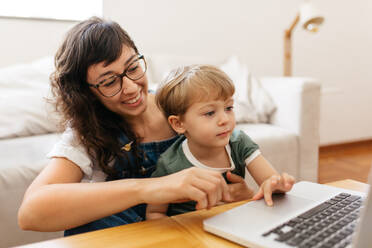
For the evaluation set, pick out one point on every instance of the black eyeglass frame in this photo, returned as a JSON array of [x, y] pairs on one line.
[[124, 74]]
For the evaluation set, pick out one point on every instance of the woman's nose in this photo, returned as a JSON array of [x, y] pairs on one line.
[[129, 86]]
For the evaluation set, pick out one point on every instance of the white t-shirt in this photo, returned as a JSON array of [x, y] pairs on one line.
[[197, 163], [69, 147]]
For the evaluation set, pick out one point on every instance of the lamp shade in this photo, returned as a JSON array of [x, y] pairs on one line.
[[310, 18]]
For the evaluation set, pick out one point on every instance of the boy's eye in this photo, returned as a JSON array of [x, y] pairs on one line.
[[210, 113], [229, 108]]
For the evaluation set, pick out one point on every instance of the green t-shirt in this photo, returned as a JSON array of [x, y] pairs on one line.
[[174, 160]]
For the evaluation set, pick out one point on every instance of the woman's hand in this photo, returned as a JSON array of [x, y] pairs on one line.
[[205, 187], [238, 188], [275, 183]]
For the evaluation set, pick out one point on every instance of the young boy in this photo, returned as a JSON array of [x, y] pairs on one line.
[[197, 100]]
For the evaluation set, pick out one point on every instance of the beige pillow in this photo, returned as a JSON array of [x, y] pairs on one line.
[[24, 110], [253, 104]]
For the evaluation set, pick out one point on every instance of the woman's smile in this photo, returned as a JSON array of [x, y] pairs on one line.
[[135, 101]]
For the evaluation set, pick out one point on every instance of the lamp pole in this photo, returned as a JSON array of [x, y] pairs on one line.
[[288, 47]]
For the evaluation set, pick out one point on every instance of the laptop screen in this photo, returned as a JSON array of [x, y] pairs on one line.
[[362, 236]]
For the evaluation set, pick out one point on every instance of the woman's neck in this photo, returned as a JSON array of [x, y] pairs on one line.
[[151, 125]]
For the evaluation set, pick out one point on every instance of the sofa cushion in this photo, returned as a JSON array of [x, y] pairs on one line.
[[26, 149]]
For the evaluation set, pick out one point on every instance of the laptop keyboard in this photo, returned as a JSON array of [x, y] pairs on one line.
[[330, 224]]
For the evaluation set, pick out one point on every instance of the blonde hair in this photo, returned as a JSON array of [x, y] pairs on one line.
[[189, 84]]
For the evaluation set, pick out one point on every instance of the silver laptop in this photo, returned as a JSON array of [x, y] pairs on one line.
[[310, 215]]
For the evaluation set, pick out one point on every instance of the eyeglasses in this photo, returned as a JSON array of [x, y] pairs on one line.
[[111, 86]]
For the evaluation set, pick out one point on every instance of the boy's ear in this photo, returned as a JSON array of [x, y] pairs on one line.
[[176, 124]]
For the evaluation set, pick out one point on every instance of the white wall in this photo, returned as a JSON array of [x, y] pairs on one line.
[[339, 55], [23, 40]]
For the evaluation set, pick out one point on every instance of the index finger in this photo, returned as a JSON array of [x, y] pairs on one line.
[[268, 191], [222, 183], [288, 180], [233, 178]]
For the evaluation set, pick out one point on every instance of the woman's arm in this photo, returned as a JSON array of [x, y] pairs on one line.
[[56, 200]]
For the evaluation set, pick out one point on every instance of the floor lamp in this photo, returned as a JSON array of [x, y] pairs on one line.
[[310, 20]]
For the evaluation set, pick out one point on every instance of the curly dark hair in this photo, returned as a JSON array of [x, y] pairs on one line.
[[97, 128]]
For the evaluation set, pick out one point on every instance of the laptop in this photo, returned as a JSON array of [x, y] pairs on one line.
[[310, 215]]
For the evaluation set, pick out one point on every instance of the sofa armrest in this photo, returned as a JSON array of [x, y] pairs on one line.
[[298, 110], [21, 160]]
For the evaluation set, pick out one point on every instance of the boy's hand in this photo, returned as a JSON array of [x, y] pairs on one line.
[[276, 183]]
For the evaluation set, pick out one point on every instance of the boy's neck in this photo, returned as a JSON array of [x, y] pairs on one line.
[[215, 157]]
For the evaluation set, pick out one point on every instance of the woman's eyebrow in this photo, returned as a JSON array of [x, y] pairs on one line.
[[130, 59]]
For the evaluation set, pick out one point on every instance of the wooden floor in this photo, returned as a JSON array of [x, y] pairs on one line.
[[346, 161]]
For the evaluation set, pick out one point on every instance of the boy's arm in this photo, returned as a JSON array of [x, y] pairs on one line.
[[156, 211], [260, 169], [268, 178]]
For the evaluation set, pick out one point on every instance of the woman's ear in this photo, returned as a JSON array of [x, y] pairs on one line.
[[176, 124]]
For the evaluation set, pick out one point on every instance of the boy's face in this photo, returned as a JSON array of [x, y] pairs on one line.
[[209, 123]]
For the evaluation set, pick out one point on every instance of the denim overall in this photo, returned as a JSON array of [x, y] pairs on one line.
[[149, 154]]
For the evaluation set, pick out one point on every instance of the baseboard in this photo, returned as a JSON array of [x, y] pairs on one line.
[[353, 144]]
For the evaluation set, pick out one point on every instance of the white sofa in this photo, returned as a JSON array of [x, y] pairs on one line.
[[289, 141]]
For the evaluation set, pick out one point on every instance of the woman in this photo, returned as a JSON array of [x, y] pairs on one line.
[[98, 173]]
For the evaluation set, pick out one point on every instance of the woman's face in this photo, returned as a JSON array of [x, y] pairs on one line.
[[131, 101]]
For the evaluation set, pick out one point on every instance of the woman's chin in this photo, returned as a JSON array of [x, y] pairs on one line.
[[135, 108]]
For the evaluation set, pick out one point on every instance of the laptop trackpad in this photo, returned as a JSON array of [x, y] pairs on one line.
[[235, 220], [284, 204]]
